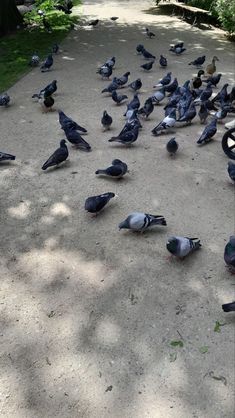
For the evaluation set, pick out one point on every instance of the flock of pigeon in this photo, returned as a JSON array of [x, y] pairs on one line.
[[180, 107]]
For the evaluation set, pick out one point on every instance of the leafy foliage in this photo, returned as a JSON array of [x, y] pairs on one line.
[[226, 14]]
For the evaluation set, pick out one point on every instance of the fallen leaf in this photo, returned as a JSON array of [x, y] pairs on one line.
[[173, 357], [177, 343], [217, 326], [203, 349]]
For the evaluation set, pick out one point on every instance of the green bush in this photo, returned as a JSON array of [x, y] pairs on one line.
[[226, 14]]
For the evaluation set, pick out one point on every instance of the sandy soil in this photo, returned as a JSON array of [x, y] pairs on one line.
[[88, 312]]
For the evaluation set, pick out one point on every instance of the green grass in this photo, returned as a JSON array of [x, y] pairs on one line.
[[17, 48]]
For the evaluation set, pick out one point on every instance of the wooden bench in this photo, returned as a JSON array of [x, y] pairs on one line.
[[191, 14]]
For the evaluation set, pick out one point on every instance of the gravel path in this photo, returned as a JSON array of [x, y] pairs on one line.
[[88, 313]]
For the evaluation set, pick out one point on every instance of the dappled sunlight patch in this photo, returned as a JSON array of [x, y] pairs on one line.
[[60, 209], [21, 211], [108, 332]]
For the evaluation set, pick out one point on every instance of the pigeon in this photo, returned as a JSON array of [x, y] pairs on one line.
[[158, 96], [127, 138], [198, 62], [170, 88], [229, 254], [229, 307], [197, 81], [112, 86], [231, 170], [117, 170], [208, 132], [47, 64], [4, 99], [172, 146], [46, 25], [136, 85], [47, 91], [110, 61], [177, 49], [40, 12], [205, 94], [211, 68], [166, 123], [213, 79], [94, 204], [147, 55], [139, 48], [222, 95], [182, 246], [138, 221], [105, 71], [46, 103], [147, 109], [93, 22], [68, 123], [6, 157], [118, 98], [189, 114], [76, 139], [149, 33], [106, 120], [134, 103], [203, 112], [221, 114], [60, 155], [162, 61], [55, 48], [34, 61], [132, 122], [164, 81], [147, 66], [124, 79], [113, 18]]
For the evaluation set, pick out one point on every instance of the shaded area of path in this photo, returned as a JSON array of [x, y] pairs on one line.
[[88, 313]]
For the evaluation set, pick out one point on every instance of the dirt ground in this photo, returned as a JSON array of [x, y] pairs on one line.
[[88, 313]]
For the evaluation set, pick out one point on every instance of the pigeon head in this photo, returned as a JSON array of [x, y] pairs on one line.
[[123, 225], [171, 245], [62, 143], [127, 73], [232, 240]]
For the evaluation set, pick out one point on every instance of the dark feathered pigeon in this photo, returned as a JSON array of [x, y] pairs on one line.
[[205, 95], [105, 71], [110, 61], [149, 33], [123, 80], [138, 221], [118, 98], [164, 81], [147, 66], [198, 61], [60, 155], [231, 170], [229, 307], [47, 91], [229, 254], [147, 109], [106, 120], [172, 146], [147, 55], [136, 85], [163, 61], [139, 48], [112, 86], [189, 114], [182, 246], [208, 132], [94, 204], [68, 123], [170, 88], [117, 170], [55, 48], [222, 96], [213, 79], [203, 112], [128, 137], [47, 64], [46, 103], [113, 18], [76, 139], [5, 157], [4, 99], [93, 22]]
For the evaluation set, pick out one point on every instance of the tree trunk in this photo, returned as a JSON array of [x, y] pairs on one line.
[[10, 16]]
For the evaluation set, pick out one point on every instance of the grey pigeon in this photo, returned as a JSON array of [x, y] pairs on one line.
[[138, 221], [94, 204], [208, 132], [127, 138], [168, 122], [229, 307], [147, 109], [163, 61], [60, 155], [172, 146], [118, 98], [203, 112], [229, 254], [205, 95], [182, 246], [149, 33], [123, 79], [198, 62], [112, 86], [106, 120], [68, 123], [171, 88], [34, 61], [6, 157], [178, 49], [136, 85], [231, 170], [148, 66], [164, 81], [4, 99], [117, 170], [158, 96], [213, 79], [147, 55], [105, 71], [46, 91], [46, 66], [189, 114], [76, 139], [110, 61], [222, 95]]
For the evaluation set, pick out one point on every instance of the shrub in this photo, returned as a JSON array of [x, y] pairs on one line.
[[226, 14]]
